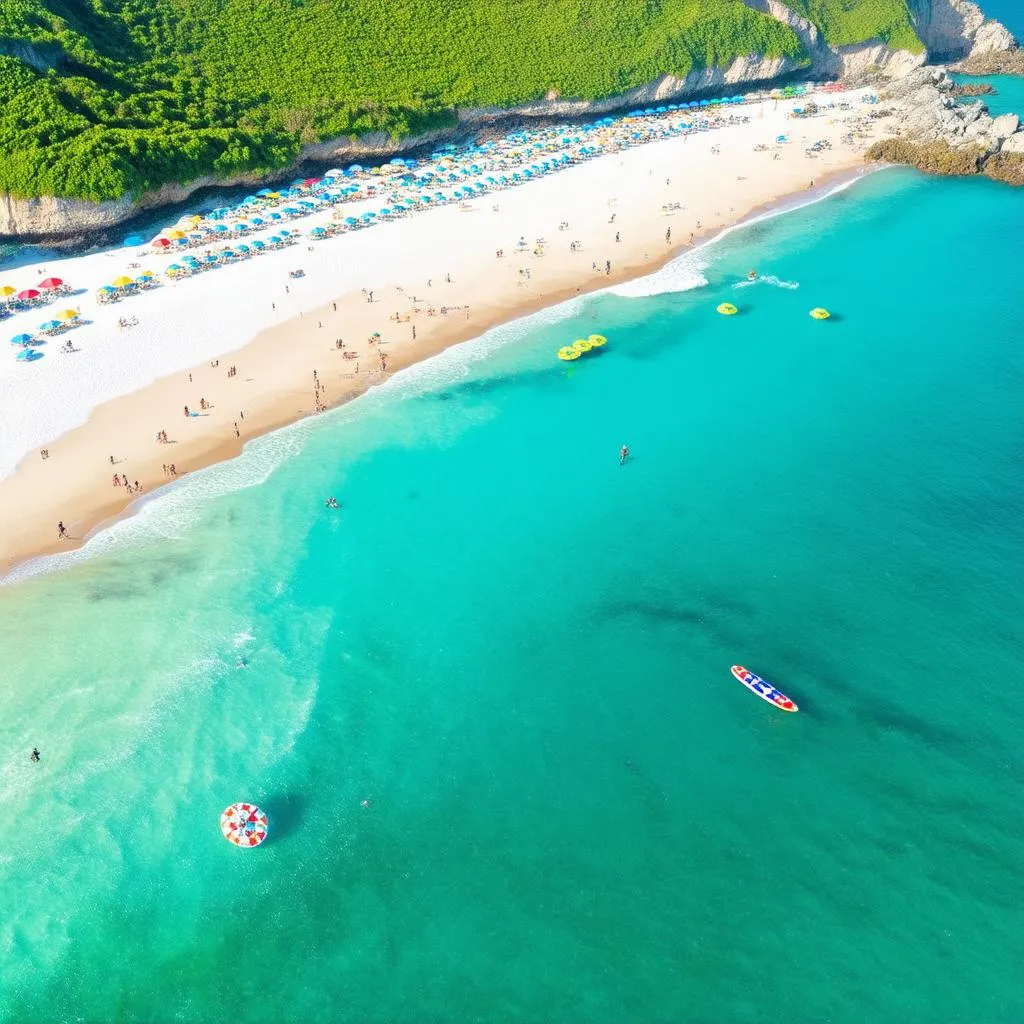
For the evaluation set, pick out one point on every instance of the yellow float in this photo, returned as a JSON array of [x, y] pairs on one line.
[[582, 345], [568, 353], [597, 340], [820, 314], [727, 309]]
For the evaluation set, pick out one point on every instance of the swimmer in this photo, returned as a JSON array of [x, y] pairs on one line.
[[241, 663], [34, 756], [365, 803], [752, 276], [623, 455]]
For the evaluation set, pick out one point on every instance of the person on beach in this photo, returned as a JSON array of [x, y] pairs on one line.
[[623, 454], [34, 756], [187, 414], [62, 531], [668, 236]]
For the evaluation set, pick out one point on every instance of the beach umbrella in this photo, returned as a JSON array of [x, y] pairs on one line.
[[175, 235], [134, 240], [123, 282], [160, 243], [317, 231], [175, 268], [28, 355], [220, 227], [258, 244], [51, 325], [50, 283], [22, 339], [6, 291], [351, 220], [105, 288], [28, 293], [67, 314], [243, 248]]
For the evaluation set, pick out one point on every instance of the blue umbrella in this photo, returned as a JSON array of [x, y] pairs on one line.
[[51, 325], [318, 231], [134, 240], [264, 192], [220, 227], [258, 244], [28, 355], [243, 248], [22, 339], [351, 220]]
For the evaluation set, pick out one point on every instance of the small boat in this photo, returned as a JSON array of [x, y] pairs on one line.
[[763, 689]]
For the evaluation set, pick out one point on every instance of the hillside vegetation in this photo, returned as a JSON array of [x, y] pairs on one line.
[[99, 98]]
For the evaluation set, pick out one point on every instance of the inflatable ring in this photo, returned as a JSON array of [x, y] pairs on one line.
[[597, 340], [820, 314], [244, 825], [568, 353], [727, 309]]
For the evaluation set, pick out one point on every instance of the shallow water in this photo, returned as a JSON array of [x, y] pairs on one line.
[[518, 652]]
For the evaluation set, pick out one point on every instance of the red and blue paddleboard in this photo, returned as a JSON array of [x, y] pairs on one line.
[[763, 689]]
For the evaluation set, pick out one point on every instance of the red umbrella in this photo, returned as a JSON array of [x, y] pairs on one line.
[[28, 293], [160, 243], [50, 283]]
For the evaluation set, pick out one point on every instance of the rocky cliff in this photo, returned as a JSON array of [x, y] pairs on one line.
[[948, 28]]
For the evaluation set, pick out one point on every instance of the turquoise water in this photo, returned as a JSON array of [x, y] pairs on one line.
[[518, 652], [1008, 97]]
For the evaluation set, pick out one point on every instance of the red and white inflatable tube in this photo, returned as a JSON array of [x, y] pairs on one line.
[[244, 825]]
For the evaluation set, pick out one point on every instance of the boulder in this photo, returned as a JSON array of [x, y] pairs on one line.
[[1005, 125], [1014, 144]]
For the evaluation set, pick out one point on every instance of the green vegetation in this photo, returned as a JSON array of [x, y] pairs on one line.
[[99, 98], [843, 22]]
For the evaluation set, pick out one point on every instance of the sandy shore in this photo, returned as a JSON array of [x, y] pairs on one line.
[[435, 279]]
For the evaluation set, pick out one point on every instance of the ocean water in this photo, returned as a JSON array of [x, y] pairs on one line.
[[517, 653]]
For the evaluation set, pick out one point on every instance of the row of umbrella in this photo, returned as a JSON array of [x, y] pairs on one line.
[[46, 289], [303, 194]]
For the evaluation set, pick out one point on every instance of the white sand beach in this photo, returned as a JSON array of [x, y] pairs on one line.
[[435, 279]]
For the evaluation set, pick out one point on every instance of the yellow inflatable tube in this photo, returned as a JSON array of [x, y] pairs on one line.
[[727, 309], [820, 314]]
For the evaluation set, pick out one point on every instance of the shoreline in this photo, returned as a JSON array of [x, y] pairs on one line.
[[271, 395]]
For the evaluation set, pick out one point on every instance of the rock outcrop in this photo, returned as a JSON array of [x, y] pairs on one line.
[[941, 136]]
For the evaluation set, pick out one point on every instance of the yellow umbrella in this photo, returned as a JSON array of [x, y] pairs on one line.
[[67, 314], [175, 234], [7, 290], [122, 282]]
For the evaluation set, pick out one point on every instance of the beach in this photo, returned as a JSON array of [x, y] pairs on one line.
[[249, 348]]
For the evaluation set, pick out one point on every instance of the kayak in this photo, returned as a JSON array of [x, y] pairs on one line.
[[763, 689]]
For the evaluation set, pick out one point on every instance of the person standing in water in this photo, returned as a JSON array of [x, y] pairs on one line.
[[34, 756], [623, 454]]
